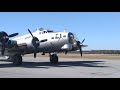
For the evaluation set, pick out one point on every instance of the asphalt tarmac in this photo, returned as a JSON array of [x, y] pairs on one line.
[[66, 68]]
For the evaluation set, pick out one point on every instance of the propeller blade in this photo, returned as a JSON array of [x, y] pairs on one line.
[[80, 47], [12, 35], [80, 50], [35, 54], [83, 40], [43, 40], [66, 52], [30, 33]]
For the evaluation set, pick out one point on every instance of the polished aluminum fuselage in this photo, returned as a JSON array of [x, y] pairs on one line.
[[55, 41]]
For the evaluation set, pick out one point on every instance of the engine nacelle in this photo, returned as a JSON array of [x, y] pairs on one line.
[[67, 47], [11, 43], [29, 43], [32, 42], [75, 47]]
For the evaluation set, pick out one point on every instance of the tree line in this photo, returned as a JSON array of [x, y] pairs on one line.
[[99, 52]]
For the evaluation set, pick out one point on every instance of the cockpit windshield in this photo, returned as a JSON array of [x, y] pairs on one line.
[[44, 30], [49, 31], [71, 37]]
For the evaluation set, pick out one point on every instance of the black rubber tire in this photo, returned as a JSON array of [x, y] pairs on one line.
[[17, 59], [54, 59]]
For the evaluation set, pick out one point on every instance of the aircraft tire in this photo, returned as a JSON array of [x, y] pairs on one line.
[[17, 59], [54, 59]]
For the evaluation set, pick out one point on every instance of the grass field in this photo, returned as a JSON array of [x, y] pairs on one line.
[[85, 56]]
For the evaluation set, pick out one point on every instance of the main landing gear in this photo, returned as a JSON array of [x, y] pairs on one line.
[[53, 58], [16, 59]]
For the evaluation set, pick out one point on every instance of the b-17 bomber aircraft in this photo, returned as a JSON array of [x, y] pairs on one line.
[[41, 40]]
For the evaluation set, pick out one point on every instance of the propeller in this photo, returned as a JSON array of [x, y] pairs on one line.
[[4, 38], [80, 44], [35, 42]]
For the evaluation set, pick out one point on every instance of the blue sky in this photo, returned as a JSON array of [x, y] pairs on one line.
[[100, 29]]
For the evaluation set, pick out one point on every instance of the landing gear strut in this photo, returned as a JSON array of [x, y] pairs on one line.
[[16, 59], [53, 58]]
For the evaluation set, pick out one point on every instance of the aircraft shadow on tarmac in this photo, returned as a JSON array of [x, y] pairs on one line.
[[59, 64]]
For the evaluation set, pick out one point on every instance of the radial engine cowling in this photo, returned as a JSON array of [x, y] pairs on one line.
[[32, 42], [11, 43], [4, 39]]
